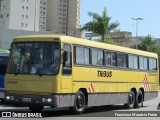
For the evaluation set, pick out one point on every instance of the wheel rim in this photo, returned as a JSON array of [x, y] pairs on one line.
[[80, 101]]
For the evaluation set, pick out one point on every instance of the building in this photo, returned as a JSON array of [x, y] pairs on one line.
[[63, 17], [7, 35], [27, 15]]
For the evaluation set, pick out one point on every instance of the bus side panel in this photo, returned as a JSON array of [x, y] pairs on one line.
[[1, 86]]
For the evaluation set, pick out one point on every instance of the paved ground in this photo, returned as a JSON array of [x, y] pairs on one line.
[[92, 112]]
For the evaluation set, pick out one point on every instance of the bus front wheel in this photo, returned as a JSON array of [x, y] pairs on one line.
[[79, 102], [36, 108], [131, 100]]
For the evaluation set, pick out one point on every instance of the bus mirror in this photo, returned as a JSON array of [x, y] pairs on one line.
[[65, 56]]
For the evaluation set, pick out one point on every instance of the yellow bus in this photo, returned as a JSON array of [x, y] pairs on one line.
[[63, 71]]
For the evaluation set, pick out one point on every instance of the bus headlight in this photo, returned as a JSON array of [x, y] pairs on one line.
[[46, 100], [49, 100], [8, 97]]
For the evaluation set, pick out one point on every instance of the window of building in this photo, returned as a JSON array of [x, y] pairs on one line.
[[110, 58], [7, 15], [122, 60]]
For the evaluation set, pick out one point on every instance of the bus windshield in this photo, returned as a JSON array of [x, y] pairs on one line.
[[40, 58]]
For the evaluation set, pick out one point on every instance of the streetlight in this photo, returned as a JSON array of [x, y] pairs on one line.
[[137, 19]]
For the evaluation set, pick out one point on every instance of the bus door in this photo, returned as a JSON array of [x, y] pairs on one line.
[[66, 79]]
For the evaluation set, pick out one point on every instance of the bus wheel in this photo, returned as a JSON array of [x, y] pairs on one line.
[[139, 99], [36, 108], [131, 100], [79, 102]]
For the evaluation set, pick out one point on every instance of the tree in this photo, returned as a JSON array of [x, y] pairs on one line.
[[100, 25], [148, 44]]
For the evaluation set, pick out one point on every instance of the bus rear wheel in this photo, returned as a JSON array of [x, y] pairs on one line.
[[139, 99], [79, 103], [36, 108], [131, 100]]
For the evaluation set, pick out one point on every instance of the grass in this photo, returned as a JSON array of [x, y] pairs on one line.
[[3, 50]]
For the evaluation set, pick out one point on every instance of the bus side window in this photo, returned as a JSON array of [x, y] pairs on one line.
[[67, 60]]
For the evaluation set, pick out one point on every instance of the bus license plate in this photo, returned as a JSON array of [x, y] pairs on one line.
[[26, 99]]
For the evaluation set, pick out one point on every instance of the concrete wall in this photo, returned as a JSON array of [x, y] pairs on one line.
[[7, 35]]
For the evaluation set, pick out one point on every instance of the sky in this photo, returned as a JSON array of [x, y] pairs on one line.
[[122, 11]]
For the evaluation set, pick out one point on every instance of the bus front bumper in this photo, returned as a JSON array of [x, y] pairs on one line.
[[26, 100]]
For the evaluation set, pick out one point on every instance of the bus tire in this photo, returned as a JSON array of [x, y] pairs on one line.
[[2, 101], [79, 103], [36, 108], [139, 99], [131, 100]]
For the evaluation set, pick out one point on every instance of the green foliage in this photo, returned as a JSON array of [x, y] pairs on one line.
[[3, 50], [148, 44], [100, 25]]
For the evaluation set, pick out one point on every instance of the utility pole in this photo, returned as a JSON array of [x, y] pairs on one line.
[[137, 19]]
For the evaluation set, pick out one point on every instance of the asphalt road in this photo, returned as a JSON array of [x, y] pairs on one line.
[[103, 112]]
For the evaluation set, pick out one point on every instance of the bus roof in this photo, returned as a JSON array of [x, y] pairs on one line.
[[89, 43]]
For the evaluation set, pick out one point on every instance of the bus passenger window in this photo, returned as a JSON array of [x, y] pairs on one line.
[[100, 57], [110, 59], [94, 56], [97, 57], [152, 64], [122, 60], [145, 62], [141, 63], [82, 55], [132, 62]]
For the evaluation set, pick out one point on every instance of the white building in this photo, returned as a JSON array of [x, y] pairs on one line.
[[63, 17], [27, 15]]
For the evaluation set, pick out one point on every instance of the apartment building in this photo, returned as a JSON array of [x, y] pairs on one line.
[[63, 17], [27, 15]]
